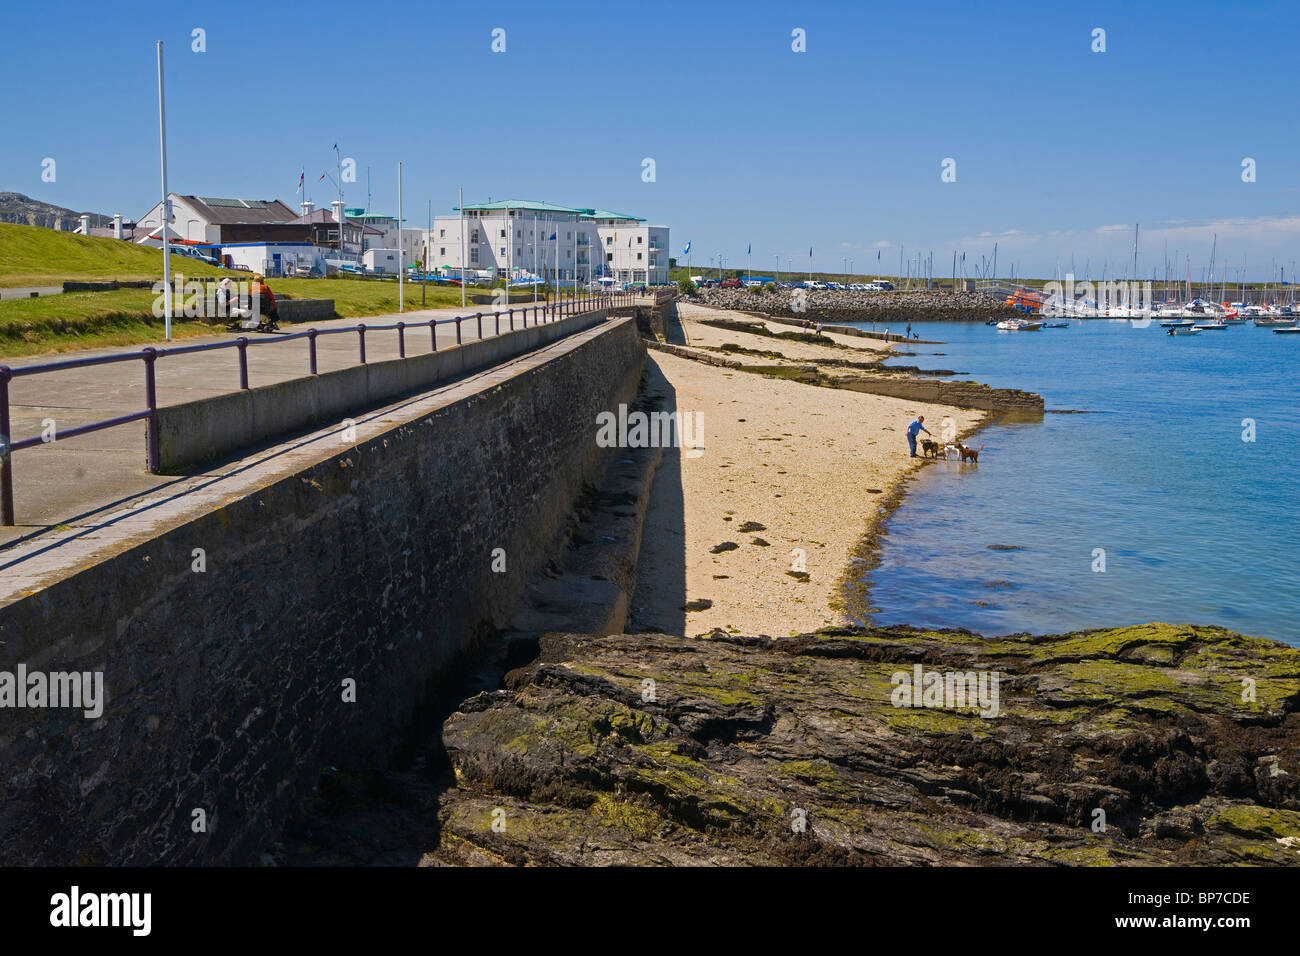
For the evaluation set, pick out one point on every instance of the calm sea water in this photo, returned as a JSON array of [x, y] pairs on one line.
[[1197, 525]]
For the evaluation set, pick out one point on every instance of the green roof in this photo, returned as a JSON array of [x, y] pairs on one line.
[[537, 206], [524, 204], [606, 214]]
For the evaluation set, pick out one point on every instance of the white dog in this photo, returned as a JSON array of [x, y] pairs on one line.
[[951, 451]]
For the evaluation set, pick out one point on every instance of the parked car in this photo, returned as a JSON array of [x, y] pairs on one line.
[[730, 284]]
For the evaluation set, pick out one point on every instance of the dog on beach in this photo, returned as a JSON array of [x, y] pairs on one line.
[[929, 449], [951, 451], [969, 454]]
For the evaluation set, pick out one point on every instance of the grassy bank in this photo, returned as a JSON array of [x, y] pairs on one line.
[[30, 255]]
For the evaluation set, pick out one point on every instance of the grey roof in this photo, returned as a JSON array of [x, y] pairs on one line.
[[231, 211]]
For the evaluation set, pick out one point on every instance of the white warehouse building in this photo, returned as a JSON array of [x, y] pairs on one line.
[[563, 244]]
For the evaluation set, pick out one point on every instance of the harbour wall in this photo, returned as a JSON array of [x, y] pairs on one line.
[[330, 601]]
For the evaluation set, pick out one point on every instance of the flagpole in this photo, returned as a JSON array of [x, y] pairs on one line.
[[165, 215], [401, 240], [462, 247]]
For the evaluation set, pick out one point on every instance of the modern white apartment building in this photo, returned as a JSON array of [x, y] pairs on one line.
[[562, 244]]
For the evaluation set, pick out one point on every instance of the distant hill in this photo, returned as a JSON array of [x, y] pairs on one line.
[[25, 211]]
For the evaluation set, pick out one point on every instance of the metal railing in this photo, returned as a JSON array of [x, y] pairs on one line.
[[542, 312]]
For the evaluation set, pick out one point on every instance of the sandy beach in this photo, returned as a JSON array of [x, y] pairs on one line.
[[766, 521]]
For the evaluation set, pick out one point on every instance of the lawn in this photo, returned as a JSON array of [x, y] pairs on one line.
[[79, 320], [30, 255]]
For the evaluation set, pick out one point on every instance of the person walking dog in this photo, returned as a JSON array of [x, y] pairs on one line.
[[912, 429]]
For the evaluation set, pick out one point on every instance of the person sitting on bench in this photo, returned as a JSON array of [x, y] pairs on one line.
[[265, 300]]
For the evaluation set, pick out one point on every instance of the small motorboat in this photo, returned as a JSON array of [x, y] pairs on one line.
[[1178, 324], [1184, 332], [1210, 327], [1056, 325], [1294, 328], [1273, 322]]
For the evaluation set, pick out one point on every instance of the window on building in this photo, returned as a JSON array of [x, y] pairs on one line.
[[442, 233], [473, 236], [638, 240], [568, 253], [442, 250], [473, 255], [503, 233], [503, 252], [519, 233], [519, 253], [638, 257], [609, 240], [609, 257]]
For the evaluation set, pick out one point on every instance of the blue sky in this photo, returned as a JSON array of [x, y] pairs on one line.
[[1058, 149]]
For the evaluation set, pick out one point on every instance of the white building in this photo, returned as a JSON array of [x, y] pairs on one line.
[[209, 219], [560, 243]]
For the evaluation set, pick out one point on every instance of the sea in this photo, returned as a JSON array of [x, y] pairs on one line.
[[1162, 484]]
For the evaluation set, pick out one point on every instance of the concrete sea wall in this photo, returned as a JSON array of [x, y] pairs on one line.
[[331, 598], [196, 432]]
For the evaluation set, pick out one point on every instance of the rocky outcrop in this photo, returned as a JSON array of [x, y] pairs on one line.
[[1150, 744], [844, 306]]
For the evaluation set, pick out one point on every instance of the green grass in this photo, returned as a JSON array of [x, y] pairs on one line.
[[80, 320], [30, 255]]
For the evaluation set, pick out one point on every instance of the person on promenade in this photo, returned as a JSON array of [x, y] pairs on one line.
[[265, 300], [223, 298], [912, 429]]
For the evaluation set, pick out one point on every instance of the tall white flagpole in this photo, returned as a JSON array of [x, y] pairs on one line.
[[462, 248], [165, 215], [401, 240]]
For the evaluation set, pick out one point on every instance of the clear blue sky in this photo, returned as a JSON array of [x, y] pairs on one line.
[[1059, 150]]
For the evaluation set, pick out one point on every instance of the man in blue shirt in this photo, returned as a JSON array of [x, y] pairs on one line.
[[912, 429]]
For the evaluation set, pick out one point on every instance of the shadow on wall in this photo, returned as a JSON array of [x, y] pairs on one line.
[[659, 601]]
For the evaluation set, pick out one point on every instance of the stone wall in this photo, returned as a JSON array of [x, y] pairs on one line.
[[195, 432], [225, 688], [304, 310]]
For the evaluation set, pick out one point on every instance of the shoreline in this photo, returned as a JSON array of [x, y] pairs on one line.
[[790, 468]]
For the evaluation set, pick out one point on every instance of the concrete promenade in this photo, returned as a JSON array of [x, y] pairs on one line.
[[67, 482]]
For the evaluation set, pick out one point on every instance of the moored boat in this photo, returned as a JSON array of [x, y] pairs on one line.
[[1184, 332]]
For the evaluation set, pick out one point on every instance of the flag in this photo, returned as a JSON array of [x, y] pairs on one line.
[[301, 176], [322, 176], [810, 252], [877, 255], [687, 250], [750, 250], [550, 237]]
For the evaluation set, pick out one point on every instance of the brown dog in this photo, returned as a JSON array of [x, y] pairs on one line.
[[971, 455], [929, 449]]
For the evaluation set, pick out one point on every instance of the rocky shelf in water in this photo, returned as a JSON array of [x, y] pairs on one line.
[[1153, 744]]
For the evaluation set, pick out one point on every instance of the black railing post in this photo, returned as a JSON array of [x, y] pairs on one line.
[[242, 344], [6, 455], [433, 333], [311, 349], [479, 317], [401, 340], [361, 332], [151, 401], [511, 313], [458, 321]]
